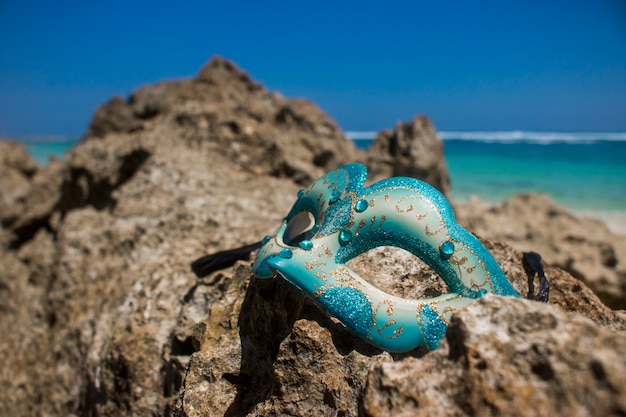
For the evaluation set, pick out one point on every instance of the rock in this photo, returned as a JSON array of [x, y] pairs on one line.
[[284, 356], [222, 112], [266, 349], [115, 116], [220, 71], [505, 357], [16, 169], [585, 248], [88, 178], [15, 157], [100, 313], [411, 149], [97, 246]]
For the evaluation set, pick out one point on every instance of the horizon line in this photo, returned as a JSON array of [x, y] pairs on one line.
[[510, 135]]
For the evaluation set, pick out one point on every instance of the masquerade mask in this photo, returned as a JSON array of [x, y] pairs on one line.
[[336, 219]]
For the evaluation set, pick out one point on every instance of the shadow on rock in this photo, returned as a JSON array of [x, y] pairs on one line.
[[267, 315]]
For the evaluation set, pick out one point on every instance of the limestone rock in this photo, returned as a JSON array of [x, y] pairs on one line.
[[115, 116], [96, 247], [411, 149], [223, 112], [267, 350], [87, 177], [506, 357], [584, 247], [16, 170]]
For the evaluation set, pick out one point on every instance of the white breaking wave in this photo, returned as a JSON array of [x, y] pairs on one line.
[[538, 137], [360, 135], [514, 136]]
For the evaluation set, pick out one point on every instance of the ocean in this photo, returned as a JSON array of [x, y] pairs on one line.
[[585, 172], [42, 151]]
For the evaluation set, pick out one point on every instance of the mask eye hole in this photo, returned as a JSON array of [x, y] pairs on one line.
[[382, 266], [299, 228]]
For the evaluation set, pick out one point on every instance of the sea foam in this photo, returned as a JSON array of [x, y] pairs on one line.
[[535, 137], [514, 136]]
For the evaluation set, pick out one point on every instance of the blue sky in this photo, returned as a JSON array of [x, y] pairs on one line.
[[469, 65]]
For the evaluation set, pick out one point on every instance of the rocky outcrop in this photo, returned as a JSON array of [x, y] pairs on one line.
[[584, 247], [507, 358], [223, 112], [100, 314], [283, 356], [412, 149], [16, 170]]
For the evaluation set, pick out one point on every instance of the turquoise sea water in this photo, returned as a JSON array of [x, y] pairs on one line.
[[581, 176], [43, 151], [582, 171]]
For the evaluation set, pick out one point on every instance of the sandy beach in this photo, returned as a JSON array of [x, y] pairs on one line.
[[616, 222]]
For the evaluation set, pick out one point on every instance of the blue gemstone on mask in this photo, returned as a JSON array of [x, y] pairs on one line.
[[334, 197], [300, 193], [306, 245], [266, 239], [446, 249], [345, 236], [361, 206], [478, 294], [286, 253]]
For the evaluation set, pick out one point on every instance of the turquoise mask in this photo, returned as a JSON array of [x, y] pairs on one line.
[[336, 219]]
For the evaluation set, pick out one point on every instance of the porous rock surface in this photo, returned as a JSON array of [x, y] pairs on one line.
[[16, 170], [100, 314], [290, 359], [584, 247], [222, 111], [508, 358], [411, 149]]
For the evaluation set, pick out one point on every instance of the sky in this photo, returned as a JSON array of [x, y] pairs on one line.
[[489, 65]]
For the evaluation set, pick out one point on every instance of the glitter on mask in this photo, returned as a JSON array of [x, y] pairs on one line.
[[433, 328], [351, 305]]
